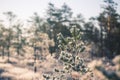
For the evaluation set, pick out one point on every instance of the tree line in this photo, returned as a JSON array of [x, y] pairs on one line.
[[106, 35]]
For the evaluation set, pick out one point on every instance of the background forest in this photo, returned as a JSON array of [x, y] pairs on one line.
[[62, 46]]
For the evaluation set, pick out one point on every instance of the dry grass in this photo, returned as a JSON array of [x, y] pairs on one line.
[[22, 68]]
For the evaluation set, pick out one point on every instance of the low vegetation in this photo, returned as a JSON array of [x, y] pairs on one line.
[[61, 46]]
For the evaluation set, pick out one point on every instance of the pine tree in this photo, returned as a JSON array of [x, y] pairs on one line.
[[110, 26], [10, 17], [70, 48]]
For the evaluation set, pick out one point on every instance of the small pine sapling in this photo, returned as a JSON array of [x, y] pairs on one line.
[[70, 47]]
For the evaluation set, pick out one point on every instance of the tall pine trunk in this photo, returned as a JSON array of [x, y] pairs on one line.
[[35, 55], [3, 53]]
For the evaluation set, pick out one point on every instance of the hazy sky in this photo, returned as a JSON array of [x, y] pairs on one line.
[[25, 8]]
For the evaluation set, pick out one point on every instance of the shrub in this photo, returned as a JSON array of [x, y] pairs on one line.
[[70, 47]]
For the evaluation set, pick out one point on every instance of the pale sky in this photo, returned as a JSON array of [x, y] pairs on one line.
[[25, 8]]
